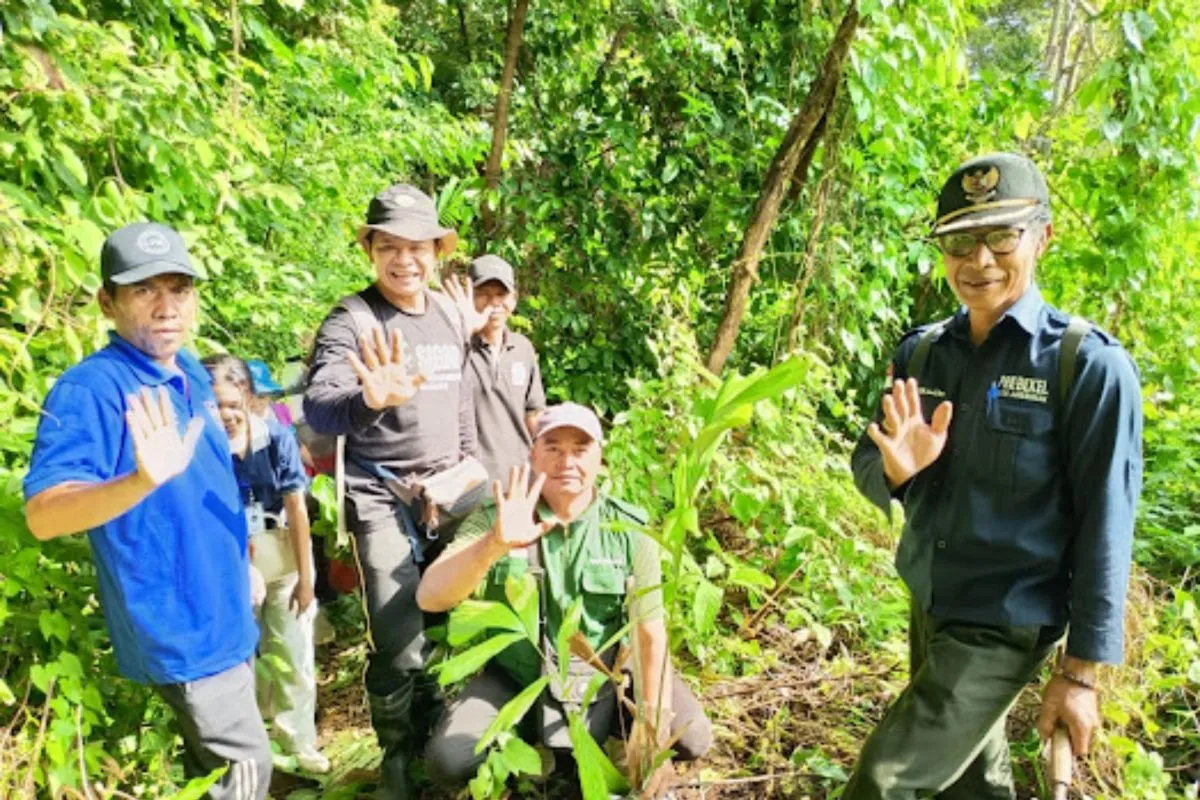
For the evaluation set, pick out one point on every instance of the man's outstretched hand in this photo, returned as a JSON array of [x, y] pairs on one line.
[[906, 441], [160, 450]]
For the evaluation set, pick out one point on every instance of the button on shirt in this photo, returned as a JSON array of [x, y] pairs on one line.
[[507, 385], [1027, 516], [173, 570]]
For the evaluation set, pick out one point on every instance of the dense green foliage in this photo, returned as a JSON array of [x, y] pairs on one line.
[[639, 135]]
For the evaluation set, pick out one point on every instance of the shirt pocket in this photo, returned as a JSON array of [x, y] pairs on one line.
[[1024, 447], [604, 593]]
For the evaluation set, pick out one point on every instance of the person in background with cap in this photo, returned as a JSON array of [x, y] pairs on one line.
[[507, 381], [1012, 436], [131, 449], [587, 544], [389, 377]]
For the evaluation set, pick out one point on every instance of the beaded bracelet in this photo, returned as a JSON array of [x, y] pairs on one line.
[[1075, 679]]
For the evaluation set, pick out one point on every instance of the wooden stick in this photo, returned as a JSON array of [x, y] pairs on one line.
[[1061, 764]]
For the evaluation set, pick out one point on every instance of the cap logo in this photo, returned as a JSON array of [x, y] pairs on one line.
[[153, 243], [404, 200], [979, 185]]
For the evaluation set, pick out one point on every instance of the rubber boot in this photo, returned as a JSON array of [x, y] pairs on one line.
[[402, 721]]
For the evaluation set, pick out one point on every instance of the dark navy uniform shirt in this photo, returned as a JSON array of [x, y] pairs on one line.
[[1027, 516], [272, 468]]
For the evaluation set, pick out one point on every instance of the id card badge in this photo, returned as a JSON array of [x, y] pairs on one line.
[[256, 518]]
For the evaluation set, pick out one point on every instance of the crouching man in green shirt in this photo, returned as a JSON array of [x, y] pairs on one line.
[[586, 544]]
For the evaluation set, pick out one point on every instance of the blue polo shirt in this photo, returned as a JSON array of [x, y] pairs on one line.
[[173, 570], [1027, 516], [273, 468]]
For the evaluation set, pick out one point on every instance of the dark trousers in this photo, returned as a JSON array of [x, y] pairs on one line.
[[219, 720], [944, 735], [450, 756]]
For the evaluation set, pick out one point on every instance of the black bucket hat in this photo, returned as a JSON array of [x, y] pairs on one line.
[[404, 210]]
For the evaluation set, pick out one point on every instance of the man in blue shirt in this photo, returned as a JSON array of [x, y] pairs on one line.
[[161, 506], [1012, 436]]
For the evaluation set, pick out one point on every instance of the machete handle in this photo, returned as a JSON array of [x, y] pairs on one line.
[[1062, 761]]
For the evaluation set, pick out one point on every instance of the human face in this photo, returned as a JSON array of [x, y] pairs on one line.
[[231, 406], [494, 299], [989, 283], [154, 315], [570, 460], [402, 266]]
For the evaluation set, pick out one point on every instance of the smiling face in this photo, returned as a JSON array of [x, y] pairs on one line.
[[402, 266], [154, 315], [231, 406], [494, 299], [570, 460], [987, 283]]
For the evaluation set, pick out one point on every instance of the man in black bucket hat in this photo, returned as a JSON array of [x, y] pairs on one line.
[[1011, 433], [387, 375]]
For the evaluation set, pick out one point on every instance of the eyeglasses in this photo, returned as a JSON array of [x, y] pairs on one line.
[[1001, 242]]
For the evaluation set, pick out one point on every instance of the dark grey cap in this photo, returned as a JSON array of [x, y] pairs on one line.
[[995, 189], [405, 211], [492, 268], [143, 250]]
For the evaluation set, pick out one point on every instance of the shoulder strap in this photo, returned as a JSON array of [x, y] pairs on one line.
[[917, 361], [1077, 331], [361, 315], [364, 321]]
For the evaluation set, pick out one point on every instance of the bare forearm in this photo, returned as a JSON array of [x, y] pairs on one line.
[[453, 577], [300, 533], [76, 506], [654, 668]]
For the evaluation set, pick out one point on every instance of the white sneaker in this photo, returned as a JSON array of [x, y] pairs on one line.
[[310, 760]]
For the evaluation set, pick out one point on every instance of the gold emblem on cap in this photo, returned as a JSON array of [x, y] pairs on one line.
[[979, 185]]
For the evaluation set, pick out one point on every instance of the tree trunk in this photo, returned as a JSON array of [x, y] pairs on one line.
[[512, 49], [611, 56], [783, 167], [462, 29], [813, 246]]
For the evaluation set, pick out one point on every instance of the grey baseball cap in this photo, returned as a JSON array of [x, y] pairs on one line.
[[404, 210], [993, 189], [492, 268], [143, 250], [570, 415]]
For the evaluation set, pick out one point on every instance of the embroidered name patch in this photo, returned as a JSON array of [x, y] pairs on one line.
[[1019, 387]]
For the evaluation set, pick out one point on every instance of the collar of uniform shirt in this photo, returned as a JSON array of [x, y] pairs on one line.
[[1025, 312], [481, 343], [152, 373]]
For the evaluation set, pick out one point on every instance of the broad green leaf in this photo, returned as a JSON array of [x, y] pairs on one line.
[[72, 163], [522, 592], [468, 662], [512, 713], [6, 695], [597, 775], [521, 758], [54, 625], [471, 617], [751, 578], [706, 605], [567, 629]]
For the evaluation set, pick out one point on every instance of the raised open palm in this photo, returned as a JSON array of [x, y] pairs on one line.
[[462, 294], [160, 450], [907, 442], [386, 381], [515, 525]]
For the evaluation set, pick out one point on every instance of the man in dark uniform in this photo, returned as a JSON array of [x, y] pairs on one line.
[[387, 374], [507, 381], [1012, 436]]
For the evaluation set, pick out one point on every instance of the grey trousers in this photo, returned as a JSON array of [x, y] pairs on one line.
[[450, 756], [218, 717], [944, 736]]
